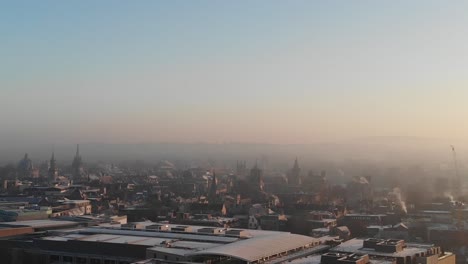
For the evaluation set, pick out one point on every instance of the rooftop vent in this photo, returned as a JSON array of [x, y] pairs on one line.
[[131, 226], [210, 230], [181, 229], [158, 227], [387, 246], [237, 233]]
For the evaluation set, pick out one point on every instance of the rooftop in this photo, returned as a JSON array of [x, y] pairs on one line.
[[260, 247], [257, 246], [356, 246], [40, 223]]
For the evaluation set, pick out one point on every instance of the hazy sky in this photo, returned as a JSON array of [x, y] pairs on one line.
[[223, 71]]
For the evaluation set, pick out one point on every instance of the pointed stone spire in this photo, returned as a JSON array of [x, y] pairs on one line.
[[296, 164], [77, 164], [53, 171], [256, 176], [294, 176], [213, 188]]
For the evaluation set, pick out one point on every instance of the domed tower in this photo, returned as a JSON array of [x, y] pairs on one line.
[[77, 164], [25, 166]]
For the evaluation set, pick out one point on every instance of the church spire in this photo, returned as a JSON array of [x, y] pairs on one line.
[[53, 170], [25, 166], [294, 177], [296, 164], [77, 164], [256, 177], [213, 188]]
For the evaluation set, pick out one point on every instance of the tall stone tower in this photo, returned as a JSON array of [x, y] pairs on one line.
[[294, 176], [53, 170], [241, 168], [77, 164], [212, 194], [25, 167], [256, 177]]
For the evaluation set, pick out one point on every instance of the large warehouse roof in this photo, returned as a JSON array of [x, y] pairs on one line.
[[259, 247]]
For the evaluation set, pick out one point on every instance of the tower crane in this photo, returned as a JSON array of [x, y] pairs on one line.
[[456, 188], [456, 181]]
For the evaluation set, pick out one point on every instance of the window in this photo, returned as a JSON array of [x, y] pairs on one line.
[[408, 260], [95, 261], [400, 260], [80, 260]]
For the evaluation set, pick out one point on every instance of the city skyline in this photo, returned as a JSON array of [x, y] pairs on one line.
[[269, 72], [233, 132]]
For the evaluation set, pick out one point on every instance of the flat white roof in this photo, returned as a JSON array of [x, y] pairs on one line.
[[173, 251], [119, 239], [316, 259], [356, 246], [64, 238], [194, 245], [166, 235], [40, 223], [313, 259]]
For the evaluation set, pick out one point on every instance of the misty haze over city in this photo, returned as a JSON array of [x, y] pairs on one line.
[[233, 132]]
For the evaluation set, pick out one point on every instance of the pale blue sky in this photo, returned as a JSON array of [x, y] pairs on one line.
[[255, 71]]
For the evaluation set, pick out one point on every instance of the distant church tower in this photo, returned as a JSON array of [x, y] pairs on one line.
[[53, 170], [77, 164], [25, 166], [241, 168], [256, 177], [213, 188], [294, 177]]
